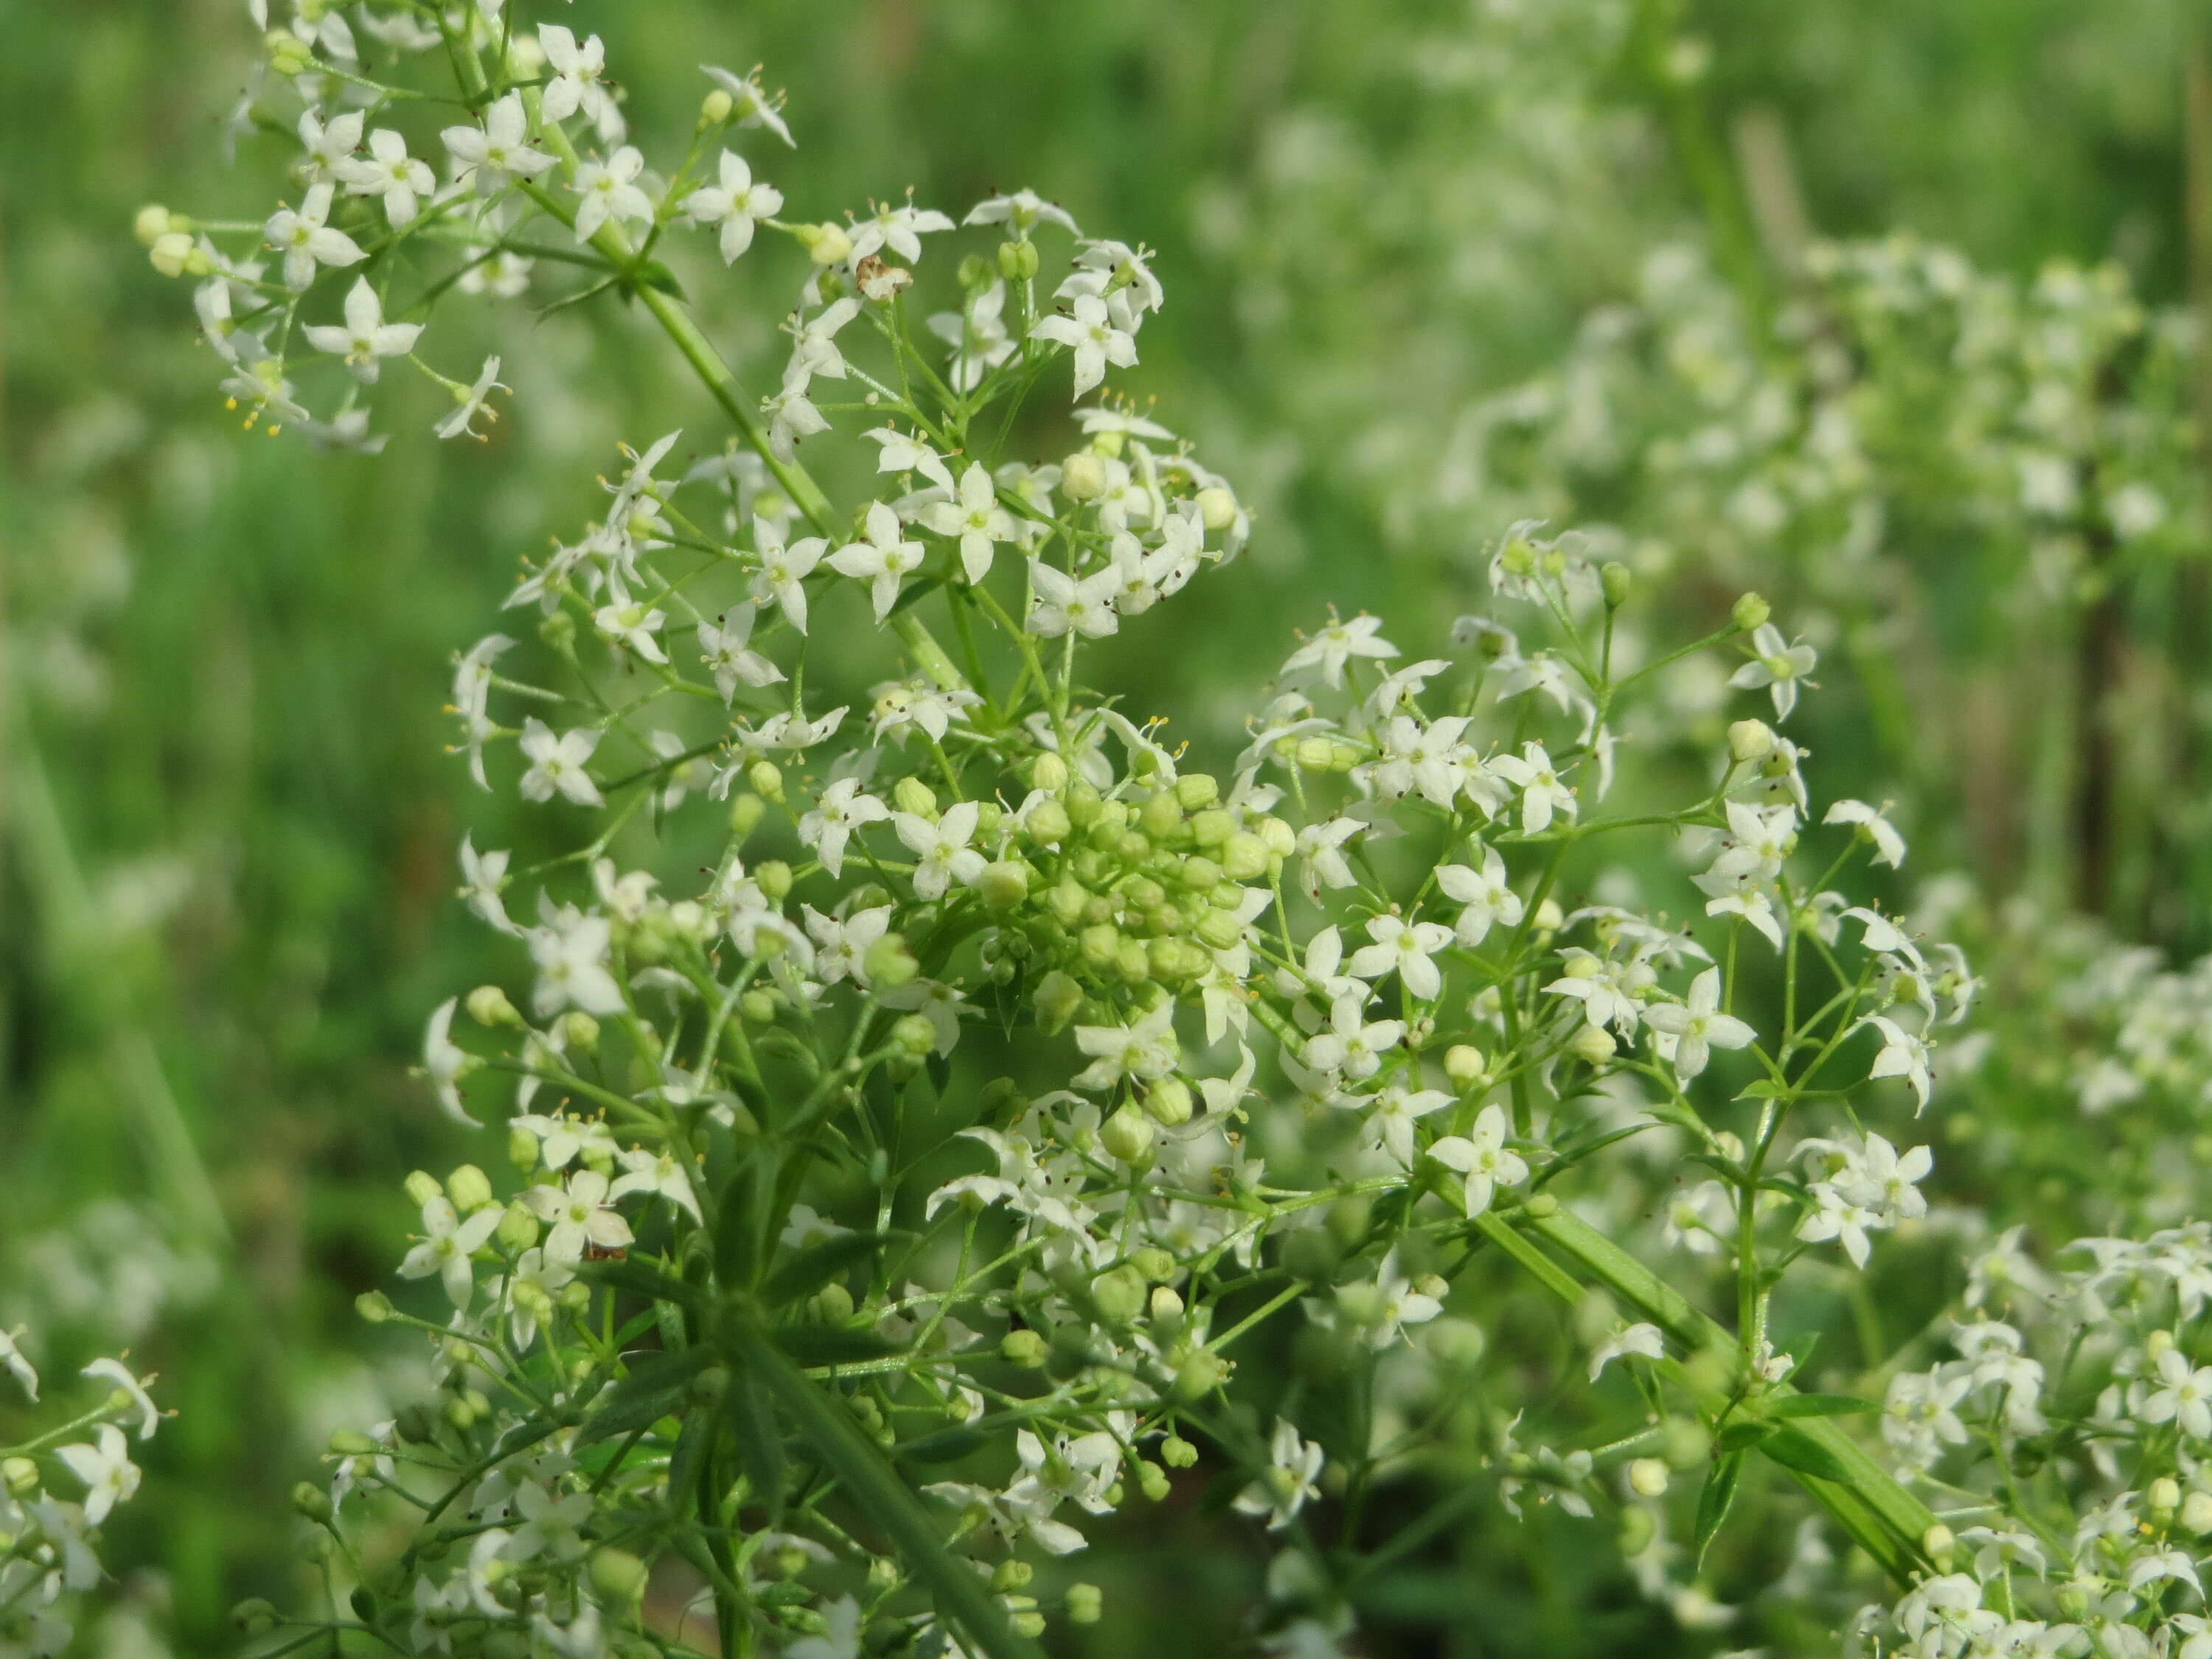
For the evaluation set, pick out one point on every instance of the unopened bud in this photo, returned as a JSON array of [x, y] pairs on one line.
[[20, 1475], [2196, 1512], [1593, 1044], [518, 1228], [1750, 741], [1168, 1101], [373, 1306], [468, 1188], [1023, 1348], [171, 253], [618, 1576], [1011, 1575], [1217, 508], [915, 1036], [1177, 1453], [1648, 1477], [825, 243], [311, 1502], [422, 1187], [580, 1030], [1049, 772], [1018, 261], [1083, 476], [1085, 1604], [716, 108], [1937, 1543], [888, 963], [765, 777], [1128, 1134], [911, 794], [488, 1004], [255, 1616], [1464, 1064], [1048, 823], [1004, 883], [2165, 1496], [1750, 612]]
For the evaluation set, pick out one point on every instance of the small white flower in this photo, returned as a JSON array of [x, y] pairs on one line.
[[899, 227], [1698, 1026], [659, 1173], [1643, 1341], [977, 518], [1482, 1156], [1888, 845], [578, 1215], [882, 560], [1406, 949], [389, 172], [366, 339], [753, 107], [1066, 604], [2185, 1396], [1291, 1478], [781, 577], [1092, 335], [446, 1244], [724, 648], [472, 400], [1903, 1054], [447, 1062], [110, 1477], [1142, 1052], [1542, 794], [734, 203], [306, 241], [578, 82], [557, 763], [609, 192], [1490, 900], [1336, 645], [12, 1360], [942, 854], [498, 152], [1776, 665], [841, 809], [1353, 1046]]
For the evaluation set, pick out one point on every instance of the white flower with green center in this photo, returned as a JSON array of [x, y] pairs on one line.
[[1335, 646], [841, 809], [497, 154], [1353, 1046], [1697, 1026], [608, 192], [1777, 665], [941, 853], [884, 559], [446, 1063], [1139, 1053], [1489, 899], [1542, 794], [659, 1173], [446, 1244], [1070, 605], [1291, 1478], [1406, 949], [2184, 1396], [110, 1477], [736, 202], [624, 623], [578, 83], [307, 242], [975, 518], [557, 763], [389, 174], [781, 578], [577, 1217], [1091, 333], [1482, 1156]]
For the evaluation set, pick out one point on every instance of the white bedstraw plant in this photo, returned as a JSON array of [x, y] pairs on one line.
[[915, 1106]]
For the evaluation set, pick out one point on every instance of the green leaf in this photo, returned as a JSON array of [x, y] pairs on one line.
[[942, 1447], [1795, 1449], [760, 1439], [1715, 1500], [809, 1269], [831, 1345], [1743, 1434], [1764, 1089], [1820, 1405], [1574, 1154], [644, 1279], [737, 1228]]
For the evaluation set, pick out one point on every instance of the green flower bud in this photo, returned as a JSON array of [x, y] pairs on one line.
[[1166, 1308], [1120, 1292], [1315, 754], [888, 963], [522, 1148], [1618, 580], [1012, 1574], [422, 1187], [746, 810], [1100, 943], [1593, 1044], [1277, 837], [1083, 476], [767, 781], [468, 1188], [518, 1228], [1018, 261], [1048, 823], [1648, 1477], [1749, 612], [1023, 1348], [1217, 508], [152, 222], [1750, 741], [911, 794], [581, 1031], [489, 1005], [716, 108], [1464, 1065], [915, 1036], [1454, 1342], [558, 630], [1050, 773], [1132, 962], [756, 1007], [1219, 930], [2196, 1512], [1168, 1102], [1056, 1000], [311, 1502], [20, 1475], [288, 54], [1031, 1624], [1202, 1373], [1128, 1135], [618, 1576], [1004, 883], [175, 254], [1637, 1529], [1177, 1453], [2165, 1497], [1937, 1542], [255, 1616], [1160, 816], [1244, 858], [773, 879], [825, 243]]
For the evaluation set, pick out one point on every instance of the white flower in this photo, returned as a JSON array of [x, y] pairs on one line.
[[110, 1477], [1022, 209], [724, 647], [2185, 1397], [1065, 604], [882, 560], [1775, 664], [306, 241], [1490, 901], [11, 1358], [579, 1216], [445, 1062], [557, 763], [1091, 334], [1143, 1052], [753, 106], [329, 146], [1322, 862], [578, 82], [549, 1526], [1903, 1054], [942, 854], [1698, 1026], [571, 958], [1396, 1305], [630, 626], [608, 190], [119, 1376], [1289, 1480], [1405, 948], [1643, 1341], [814, 349], [659, 1173], [1352, 1045], [366, 338], [390, 172], [1334, 645], [1541, 792], [498, 151], [446, 1244], [471, 401], [482, 876], [977, 518], [1888, 845], [1482, 1156], [781, 578], [840, 809], [899, 227], [734, 203]]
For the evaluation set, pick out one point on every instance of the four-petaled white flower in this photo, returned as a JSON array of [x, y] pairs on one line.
[[578, 82], [1336, 645], [623, 621], [1140, 1052], [557, 763], [1092, 335], [609, 191], [941, 853], [661, 1173], [578, 1216], [882, 560], [977, 518], [389, 172], [751, 107], [571, 957], [781, 578], [471, 401], [2185, 1396], [1490, 900], [726, 648], [301, 235], [1291, 1478], [110, 1477], [1776, 665], [1482, 1156], [127, 1390], [1066, 604], [1406, 949], [492, 154], [1698, 1026], [1643, 1341], [899, 227], [12, 1362], [446, 1244], [1903, 1054], [366, 339], [839, 811], [445, 1062], [1888, 845], [734, 203], [1542, 794], [1352, 1045]]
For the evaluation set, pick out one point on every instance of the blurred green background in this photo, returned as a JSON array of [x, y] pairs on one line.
[[229, 821]]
